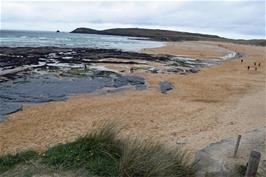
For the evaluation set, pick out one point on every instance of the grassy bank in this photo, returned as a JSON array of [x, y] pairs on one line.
[[101, 153]]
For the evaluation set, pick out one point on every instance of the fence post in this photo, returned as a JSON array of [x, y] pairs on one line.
[[253, 164], [237, 145]]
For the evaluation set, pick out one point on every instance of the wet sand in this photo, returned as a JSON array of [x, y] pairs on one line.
[[218, 102]]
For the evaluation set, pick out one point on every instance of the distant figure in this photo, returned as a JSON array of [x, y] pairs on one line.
[[256, 68], [131, 70], [241, 60], [85, 66], [248, 67], [259, 65], [255, 63]]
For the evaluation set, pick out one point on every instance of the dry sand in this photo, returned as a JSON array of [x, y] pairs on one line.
[[216, 103]]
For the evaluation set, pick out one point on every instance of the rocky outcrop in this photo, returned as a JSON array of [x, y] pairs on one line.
[[86, 30], [165, 35], [154, 34], [14, 60], [166, 86]]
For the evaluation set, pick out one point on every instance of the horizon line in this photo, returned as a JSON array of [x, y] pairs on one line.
[[48, 30]]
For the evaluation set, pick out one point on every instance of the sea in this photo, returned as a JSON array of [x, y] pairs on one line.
[[37, 87], [12, 38]]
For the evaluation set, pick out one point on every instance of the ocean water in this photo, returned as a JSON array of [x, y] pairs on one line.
[[10, 38]]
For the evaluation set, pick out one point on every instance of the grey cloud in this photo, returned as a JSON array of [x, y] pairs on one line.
[[229, 18]]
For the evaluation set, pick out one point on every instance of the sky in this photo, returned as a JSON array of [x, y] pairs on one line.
[[228, 18]]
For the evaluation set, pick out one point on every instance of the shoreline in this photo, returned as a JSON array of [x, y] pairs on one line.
[[46, 68], [197, 112]]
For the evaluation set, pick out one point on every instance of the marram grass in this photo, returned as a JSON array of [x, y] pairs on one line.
[[102, 153]]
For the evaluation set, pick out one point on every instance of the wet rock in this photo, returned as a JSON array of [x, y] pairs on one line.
[[39, 88], [136, 81], [154, 70], [67, 58], [60, 74], [193, 70], [20, 56], [166, 86], [52, 55], [8, 108], [174, 70], [239, 55], [104, 73]]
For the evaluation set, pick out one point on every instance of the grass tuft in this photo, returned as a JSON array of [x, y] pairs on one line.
[[148, 159], [99, 152], [182, 164], [11, 160]]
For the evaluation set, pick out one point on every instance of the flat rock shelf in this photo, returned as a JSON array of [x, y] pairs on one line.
[[42, 74]]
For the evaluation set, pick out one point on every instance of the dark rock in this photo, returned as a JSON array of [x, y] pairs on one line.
[[136, 81], [8, 108], [166, 86], [103, 73], [174, 70], [193, 70]]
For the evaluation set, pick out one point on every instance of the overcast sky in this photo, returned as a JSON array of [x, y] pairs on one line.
[[236, 19]]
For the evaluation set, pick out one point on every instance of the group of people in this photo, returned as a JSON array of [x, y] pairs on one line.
[[256, 65]]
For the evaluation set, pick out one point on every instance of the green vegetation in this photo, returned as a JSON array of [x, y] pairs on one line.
[[167, 35], [79, 72], [99, 152], [147, 159], [240, 170], [102, 153], [9, 161]]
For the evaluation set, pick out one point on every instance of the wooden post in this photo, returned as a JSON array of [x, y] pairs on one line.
[[253, 164], [237, 145]]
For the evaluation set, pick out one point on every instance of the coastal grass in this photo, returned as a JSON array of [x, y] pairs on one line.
[[99, 152], [103, 153], [240, 170], [11, 160], [147, 159]]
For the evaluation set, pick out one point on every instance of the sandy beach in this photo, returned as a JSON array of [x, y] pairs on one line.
[[219, 102]]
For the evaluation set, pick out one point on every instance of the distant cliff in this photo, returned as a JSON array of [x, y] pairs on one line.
[[165, 35], [86, 30], [154, 34]]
